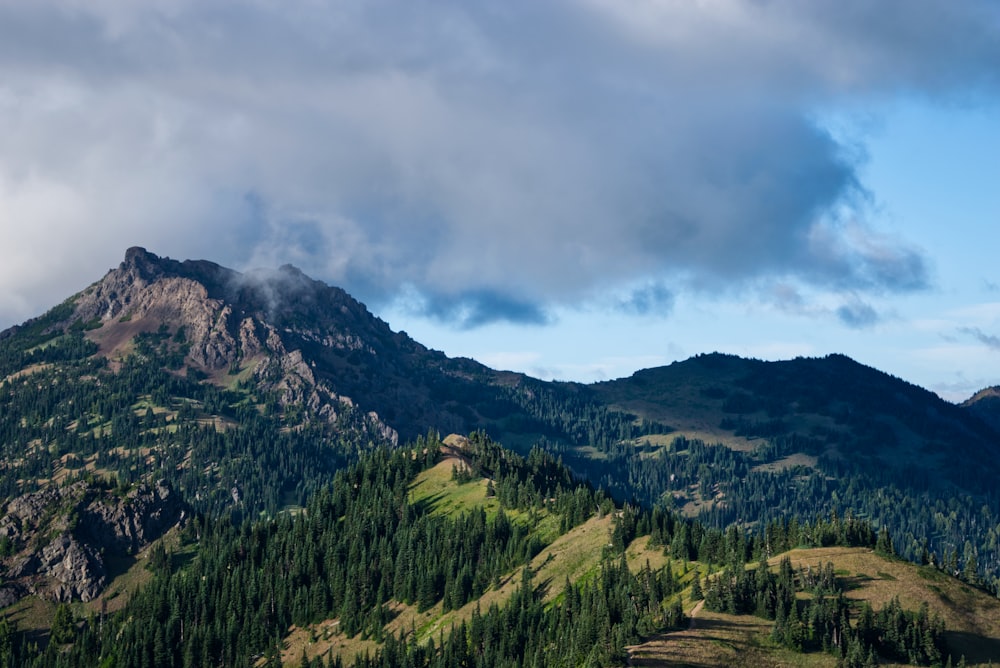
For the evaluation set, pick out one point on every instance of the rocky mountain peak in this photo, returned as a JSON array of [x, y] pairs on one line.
[[290, 332], [141, 261]]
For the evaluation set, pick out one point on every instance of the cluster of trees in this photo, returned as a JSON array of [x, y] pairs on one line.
[[823, 621], [590, 626], [562, 413]]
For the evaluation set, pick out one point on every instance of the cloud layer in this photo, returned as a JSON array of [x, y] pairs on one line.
[[493, 158]]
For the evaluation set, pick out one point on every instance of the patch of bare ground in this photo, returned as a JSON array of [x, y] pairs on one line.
[[639, 553], [26, 371], [322, 640], [116, 337], [791, 461], [453, 450], [717, 640]]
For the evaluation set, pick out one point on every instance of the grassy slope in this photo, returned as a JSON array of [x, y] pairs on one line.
[[972, 617], [573, 555]]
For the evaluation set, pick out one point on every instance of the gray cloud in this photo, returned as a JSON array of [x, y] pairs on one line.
[[989, 340], [498, 158], [858, 315], [472, 309], [655, 299]]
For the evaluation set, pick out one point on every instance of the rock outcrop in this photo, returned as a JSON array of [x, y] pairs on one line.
[[58, 539], [128, 525]]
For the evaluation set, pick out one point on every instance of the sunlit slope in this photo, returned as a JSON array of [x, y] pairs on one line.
[[971, 616]]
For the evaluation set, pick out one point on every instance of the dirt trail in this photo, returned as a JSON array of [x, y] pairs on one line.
[[694, 612]]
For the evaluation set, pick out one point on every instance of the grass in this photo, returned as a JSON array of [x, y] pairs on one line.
[[32, 615], [129, 574], [437, 488], [791, 461], [972, 617]]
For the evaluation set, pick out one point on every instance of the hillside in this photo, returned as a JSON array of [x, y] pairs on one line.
[[462, 553], [832, 409], [808, 437], [972, 619], [985, 405]]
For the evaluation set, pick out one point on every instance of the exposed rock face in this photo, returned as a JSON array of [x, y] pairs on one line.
[[228, 320], [152, 292], [130, 524], [62, 536], [74, 570]]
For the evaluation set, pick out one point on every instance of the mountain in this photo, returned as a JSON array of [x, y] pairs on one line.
[[832, 410], [310, 342], [246, 392], [188, 343]]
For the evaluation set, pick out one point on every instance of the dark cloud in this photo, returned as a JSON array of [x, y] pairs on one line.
[[858, 315], [482, 307], [539, 153], [655, 299], [989, 340]]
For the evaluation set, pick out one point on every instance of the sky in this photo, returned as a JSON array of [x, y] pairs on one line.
[[576, 190]]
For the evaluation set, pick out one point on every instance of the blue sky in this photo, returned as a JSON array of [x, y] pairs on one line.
[[572, 189]]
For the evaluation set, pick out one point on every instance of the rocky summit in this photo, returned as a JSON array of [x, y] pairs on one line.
[[312, 343]]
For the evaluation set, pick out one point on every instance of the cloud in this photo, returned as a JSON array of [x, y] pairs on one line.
[[471, 309], [858, 315], [497, 158], [654, 299], [989, 340]]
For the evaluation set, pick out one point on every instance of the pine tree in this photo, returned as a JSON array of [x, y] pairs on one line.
[[696, 592]]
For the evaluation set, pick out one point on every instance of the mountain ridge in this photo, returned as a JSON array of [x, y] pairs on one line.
[[299, 378]]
